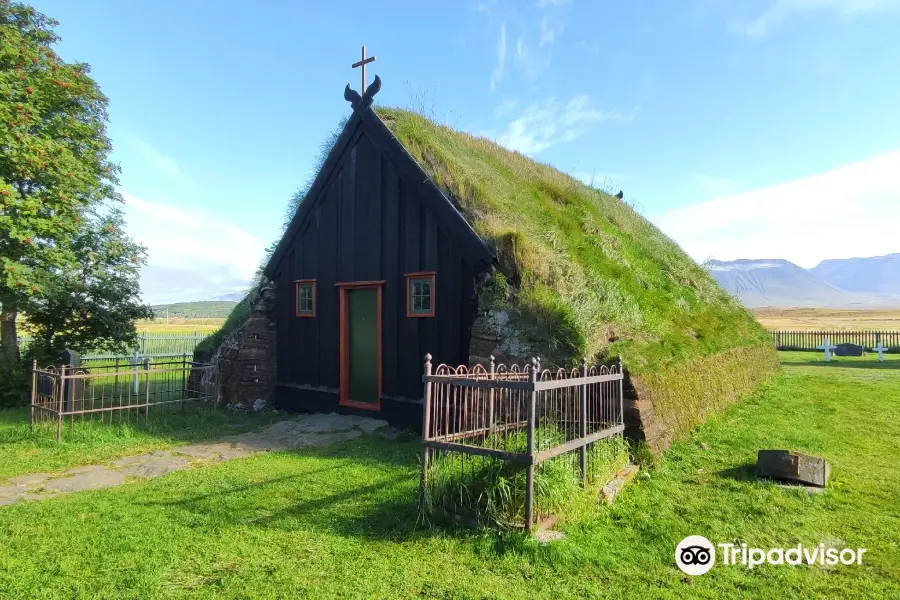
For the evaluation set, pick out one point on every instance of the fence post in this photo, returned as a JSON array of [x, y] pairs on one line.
[[183, 375], [147, 390], [135, 362], [529, 490], [33, 391], [196, 339], [115, 384], [144, 342], [426, 424], [490, 420], [621, 393], [59, 412], [582, 420]]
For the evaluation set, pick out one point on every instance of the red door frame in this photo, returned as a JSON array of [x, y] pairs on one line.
[[345, 345]]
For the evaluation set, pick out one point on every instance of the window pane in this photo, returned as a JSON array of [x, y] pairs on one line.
[[305, 298], [420, 295]]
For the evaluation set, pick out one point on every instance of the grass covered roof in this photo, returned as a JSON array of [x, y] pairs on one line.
[[581, 273]]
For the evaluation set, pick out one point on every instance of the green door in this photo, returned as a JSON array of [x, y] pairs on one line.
[[362, 338]]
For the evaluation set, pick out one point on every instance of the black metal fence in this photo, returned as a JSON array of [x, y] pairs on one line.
[[112, 391], [487, 433], [808, 340]]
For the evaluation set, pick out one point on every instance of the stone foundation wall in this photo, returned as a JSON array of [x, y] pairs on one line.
[[484, 343], [488, 339], [246, 366]]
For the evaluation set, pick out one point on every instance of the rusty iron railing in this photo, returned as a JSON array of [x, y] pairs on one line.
[[113, 391], [519, 415]]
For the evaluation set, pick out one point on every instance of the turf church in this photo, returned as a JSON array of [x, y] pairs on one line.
[[376, 269]]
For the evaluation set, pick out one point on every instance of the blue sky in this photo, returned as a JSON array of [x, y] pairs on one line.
[[743, 128]]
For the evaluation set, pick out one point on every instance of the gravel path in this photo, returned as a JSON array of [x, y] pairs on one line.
[[303, 431]]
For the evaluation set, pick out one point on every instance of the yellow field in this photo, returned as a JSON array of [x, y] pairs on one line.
[[184, 326], [827, 319]]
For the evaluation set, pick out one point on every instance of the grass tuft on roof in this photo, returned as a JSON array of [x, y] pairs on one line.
[[581, 273]]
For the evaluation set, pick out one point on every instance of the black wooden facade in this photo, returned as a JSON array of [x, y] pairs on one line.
[[371, 217]]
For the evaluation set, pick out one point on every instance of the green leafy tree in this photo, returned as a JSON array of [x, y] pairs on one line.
[[54, 166], [92, 307]]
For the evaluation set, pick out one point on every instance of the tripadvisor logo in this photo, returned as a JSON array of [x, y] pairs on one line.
[[696, 555]]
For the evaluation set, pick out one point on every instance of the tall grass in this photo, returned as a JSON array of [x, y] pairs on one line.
[[679, 397], [482, 489], [587, 274]]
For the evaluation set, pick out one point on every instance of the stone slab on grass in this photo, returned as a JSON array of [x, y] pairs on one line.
[[612, 489], [793, 467]]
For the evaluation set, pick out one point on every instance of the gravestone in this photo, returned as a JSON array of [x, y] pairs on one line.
[[72, 387], [793, 467], [848, 350], [880, 349], [70, 358]]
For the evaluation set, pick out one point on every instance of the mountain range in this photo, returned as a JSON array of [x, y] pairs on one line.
[[839, 283]]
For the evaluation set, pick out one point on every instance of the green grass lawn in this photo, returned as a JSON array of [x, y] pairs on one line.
[[22, 452], [340, 522]]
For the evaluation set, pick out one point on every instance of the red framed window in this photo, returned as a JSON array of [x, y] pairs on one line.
[[420, 294], [305, 298]]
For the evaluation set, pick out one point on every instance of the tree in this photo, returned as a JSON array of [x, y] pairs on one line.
[[93, 307], [54, 165]]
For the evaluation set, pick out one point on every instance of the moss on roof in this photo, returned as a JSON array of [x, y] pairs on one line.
[[581, 273]]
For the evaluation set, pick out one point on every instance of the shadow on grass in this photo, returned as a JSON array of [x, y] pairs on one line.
[[368, 488], [745, 472]]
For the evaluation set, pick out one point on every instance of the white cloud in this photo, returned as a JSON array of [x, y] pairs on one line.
[[161, 162], [499, 70], [531, 61], [192, 242], [849, 211], [780, 10], [549, 31], [543, 124]]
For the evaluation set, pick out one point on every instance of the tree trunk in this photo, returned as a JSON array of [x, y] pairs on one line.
[[8, 336]]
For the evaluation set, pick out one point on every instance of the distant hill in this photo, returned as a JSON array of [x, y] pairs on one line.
[[875, 275], [780, 283], [194, 310]]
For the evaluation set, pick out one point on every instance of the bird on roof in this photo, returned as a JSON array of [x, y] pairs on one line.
[[620, 195]]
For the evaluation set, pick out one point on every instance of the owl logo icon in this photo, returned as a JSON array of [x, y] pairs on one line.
[[695, 555]]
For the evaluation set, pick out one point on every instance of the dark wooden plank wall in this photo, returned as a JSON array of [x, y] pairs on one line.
[[371, 224]]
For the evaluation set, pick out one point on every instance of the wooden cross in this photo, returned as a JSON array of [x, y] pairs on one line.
[[827, 347], [363, 64]]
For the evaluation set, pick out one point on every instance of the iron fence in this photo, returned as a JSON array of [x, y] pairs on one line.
[[113, 391], [808, 340], [505, 424]]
